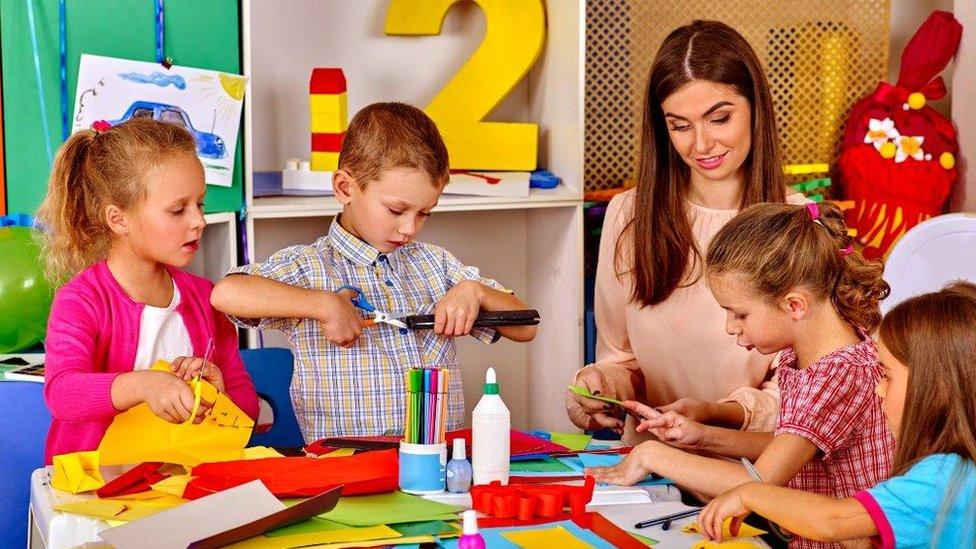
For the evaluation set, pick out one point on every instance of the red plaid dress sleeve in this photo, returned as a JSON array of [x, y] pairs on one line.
[[829, 404]]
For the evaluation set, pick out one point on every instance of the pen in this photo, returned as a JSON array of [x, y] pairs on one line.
[[751, 469], [668, 518]]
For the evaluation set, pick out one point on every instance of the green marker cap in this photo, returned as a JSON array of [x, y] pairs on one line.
[[416, 380]]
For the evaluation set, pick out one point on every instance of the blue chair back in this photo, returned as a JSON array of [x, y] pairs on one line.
[[271, 370], [23, 432]]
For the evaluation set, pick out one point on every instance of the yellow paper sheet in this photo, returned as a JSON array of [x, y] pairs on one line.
[[110, 509], [139, 435], [546, 538], [357, 536], [745, 531], [261, 452], [732, 544], [339, 452], [77, 472], [174, 485]]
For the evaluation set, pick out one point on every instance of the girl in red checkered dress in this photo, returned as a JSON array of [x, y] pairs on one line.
[[790, 282]]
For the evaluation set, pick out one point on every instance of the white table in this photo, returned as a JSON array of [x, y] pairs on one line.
[[56, 530]]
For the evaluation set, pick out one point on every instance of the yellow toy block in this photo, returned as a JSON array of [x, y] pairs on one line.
[[329, 123], [324, 161], [328, 103]]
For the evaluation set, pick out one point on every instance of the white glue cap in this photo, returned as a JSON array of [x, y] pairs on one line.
[[459, 450], [470, 519]]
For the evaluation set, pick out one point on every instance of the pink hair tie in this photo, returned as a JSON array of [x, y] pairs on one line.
[[101, 126], [813, 210], [847, 250]]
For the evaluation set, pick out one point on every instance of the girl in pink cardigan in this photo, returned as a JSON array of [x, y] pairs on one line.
[[123, 214]]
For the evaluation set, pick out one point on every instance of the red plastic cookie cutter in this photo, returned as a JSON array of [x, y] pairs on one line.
[[527, 502]]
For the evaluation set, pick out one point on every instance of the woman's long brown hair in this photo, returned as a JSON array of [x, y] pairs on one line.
[[664, 252]]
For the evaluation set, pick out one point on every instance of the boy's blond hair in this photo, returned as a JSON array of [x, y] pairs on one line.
[[383, 136]]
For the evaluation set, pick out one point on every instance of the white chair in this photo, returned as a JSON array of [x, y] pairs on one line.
[[931, 255]]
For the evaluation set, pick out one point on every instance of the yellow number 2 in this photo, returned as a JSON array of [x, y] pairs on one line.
[[513, 41]]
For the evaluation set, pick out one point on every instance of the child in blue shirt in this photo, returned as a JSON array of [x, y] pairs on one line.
[[928, 349]]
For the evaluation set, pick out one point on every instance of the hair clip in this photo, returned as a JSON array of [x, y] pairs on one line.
[[846, 250], [101, 126], [814, 212]]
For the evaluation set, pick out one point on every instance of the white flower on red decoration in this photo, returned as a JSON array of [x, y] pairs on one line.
[[909, 145], [880, 131]]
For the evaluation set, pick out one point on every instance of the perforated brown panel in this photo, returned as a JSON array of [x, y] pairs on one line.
[[821, 56]]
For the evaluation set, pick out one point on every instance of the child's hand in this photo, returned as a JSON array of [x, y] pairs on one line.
[[169, 397], [186, 368], [456, 312], [340, 320], [633, 469], [712, 517], [675, 430], [691, 408], [590, 414]]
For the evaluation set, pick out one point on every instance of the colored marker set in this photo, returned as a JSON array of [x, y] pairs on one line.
[[427, 394]]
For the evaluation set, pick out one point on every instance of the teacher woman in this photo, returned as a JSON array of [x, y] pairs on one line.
[[708, 148]]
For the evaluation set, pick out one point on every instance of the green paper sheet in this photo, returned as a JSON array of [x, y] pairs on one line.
[[539, 466], [643, 539], [426, 528], [573, 441], [584, 392], [391, 508], [314, 524]]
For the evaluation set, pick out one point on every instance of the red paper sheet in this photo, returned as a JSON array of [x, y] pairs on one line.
[[365, 473]]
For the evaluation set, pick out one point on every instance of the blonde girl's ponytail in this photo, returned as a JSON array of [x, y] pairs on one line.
[[94, 169]]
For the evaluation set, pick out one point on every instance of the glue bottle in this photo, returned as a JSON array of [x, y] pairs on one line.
[[490, 431], [459, 469], [470, 537]]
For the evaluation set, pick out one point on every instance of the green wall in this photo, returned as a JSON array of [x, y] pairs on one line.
[[199, 33]]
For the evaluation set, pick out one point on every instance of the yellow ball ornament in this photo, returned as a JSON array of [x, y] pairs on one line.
[[916, 100], [947, 160], [888, 150]]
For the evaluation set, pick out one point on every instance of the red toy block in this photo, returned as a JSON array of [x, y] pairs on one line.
[[327, 142], [327, 81]]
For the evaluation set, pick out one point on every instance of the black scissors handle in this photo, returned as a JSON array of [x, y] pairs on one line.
[[486, 319]]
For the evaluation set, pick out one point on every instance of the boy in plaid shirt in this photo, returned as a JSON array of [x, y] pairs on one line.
[[349, 381]]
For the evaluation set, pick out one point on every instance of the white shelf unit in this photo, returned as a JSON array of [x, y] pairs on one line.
[[533, 245], [218, 247]]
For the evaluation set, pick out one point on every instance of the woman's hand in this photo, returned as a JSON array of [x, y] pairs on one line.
[[186, 368], [633, 469], [713, 516], [674, 429], [588, 413], [169, 397]]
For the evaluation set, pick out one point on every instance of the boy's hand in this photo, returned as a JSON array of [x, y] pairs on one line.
[[340, 320], [169, 397], [713, 516], [186, 368], [675, 430], [456, 312], [633, 469]]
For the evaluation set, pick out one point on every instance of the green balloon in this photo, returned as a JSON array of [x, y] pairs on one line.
[[25, 295]]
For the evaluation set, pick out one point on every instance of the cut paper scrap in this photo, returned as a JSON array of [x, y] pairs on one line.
[[745, 530], [339, 452], [342, 534], [390, 508], [368, 473], [573, 441], [175, 485], [139, 435], [585, 393], [138, 479], [259, 452], [609, 460], [77, 472], [545, 538], [644, 539], [438, 528]]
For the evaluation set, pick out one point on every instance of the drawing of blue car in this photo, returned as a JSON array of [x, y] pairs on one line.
[[209, 145]]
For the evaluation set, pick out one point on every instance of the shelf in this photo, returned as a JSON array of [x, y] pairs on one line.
[[324, 206], [223, 217]]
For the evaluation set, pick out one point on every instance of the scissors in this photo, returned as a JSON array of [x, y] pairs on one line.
[[377, 316]]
